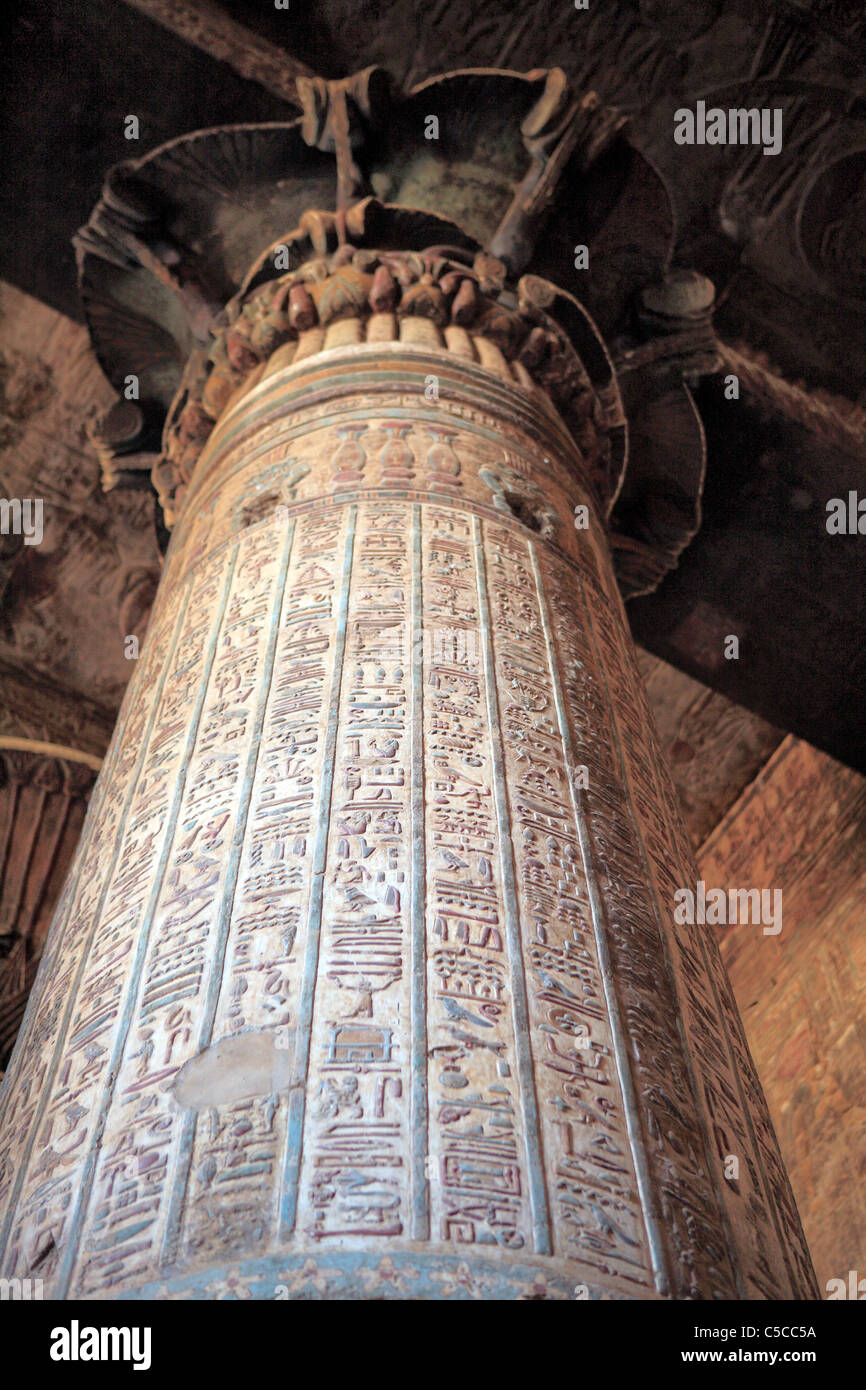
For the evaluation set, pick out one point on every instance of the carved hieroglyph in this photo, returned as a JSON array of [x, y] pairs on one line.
[[366, 982]]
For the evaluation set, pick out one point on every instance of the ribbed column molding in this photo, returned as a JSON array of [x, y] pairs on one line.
[[366, 982]]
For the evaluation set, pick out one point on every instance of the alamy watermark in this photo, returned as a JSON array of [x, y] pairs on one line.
[[21, 1290], [736, 906], [735, 126], [22, 517], [846, 517], [77, 1343], [854, 1288]]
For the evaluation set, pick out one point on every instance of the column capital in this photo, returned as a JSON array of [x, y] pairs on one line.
[[512, 206], [439, 299]]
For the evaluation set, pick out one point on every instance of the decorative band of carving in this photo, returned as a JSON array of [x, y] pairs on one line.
[[294, 391], [355, 424]]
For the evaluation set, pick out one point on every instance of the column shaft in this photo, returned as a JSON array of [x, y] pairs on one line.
[[366, 981]]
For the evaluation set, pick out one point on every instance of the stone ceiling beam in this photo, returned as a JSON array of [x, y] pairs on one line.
[[205, 26]]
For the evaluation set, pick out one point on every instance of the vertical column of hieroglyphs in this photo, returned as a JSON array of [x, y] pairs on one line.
[[594, 1192], [142, 1168], [759, 1199], [687, 1191], [751, 1201], [234, 1180], [96, 941], [53, 998], [128, 1206], [485, 1165], [119, 1206], [357, 1154]]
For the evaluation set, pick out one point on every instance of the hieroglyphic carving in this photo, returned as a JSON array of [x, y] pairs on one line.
[[357, 1153], [640, 867], [484, 1131], [33, 1110], [596, 1204], [355, 967]]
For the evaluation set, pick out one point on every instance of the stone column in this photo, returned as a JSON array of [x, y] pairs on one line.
[[366, 982]]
